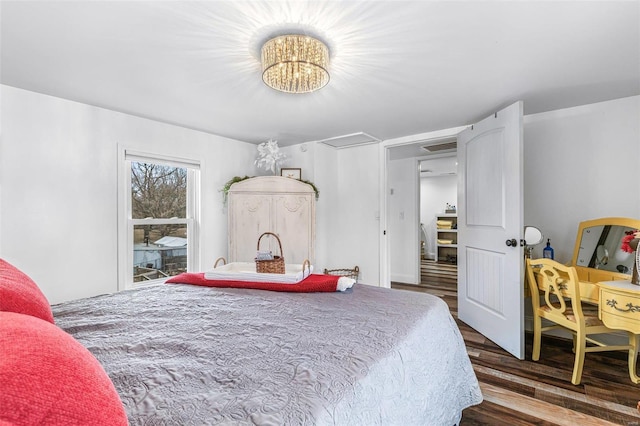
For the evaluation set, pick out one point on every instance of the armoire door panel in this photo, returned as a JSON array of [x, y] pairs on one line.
[[292, 223], [251, 218]]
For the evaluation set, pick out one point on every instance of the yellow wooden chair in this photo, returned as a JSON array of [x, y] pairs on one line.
[[555, 295]]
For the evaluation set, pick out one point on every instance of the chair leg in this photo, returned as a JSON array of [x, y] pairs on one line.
[[633, 357], [580, 346], [537, 336]]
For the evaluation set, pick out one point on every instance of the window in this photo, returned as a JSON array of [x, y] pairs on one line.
[[160, 217]]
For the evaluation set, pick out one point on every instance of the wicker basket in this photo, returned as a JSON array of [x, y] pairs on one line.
[[344, 272], [273, 266]]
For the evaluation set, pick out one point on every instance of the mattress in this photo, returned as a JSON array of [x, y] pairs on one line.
[[189, 355]]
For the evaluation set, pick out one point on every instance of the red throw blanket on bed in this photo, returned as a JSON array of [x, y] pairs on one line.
[[314, 283]]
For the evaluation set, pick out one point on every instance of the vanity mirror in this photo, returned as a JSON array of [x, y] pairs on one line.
[[532, 237], [597, 255]]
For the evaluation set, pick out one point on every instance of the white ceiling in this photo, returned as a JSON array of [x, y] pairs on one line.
[[398, 67]]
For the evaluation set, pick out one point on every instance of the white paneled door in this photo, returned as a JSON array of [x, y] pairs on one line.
[[490, 226]]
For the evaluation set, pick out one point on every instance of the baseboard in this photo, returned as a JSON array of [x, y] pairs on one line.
[[404, 278]]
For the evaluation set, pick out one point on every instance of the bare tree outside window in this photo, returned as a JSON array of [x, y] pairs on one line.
[[158, 191]]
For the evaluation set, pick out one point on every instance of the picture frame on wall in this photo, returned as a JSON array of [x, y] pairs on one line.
[[293, 173]]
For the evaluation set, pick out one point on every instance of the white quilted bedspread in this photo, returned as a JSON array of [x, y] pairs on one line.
[[187, 355]]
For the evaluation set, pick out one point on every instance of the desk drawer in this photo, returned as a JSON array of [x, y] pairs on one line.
[[620, 310], [589, 292]]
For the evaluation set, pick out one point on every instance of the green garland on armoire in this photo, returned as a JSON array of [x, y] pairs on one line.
[[236, 179]]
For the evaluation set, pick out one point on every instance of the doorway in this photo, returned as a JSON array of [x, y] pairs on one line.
[[490, 160], [421, 180], [438, 221]]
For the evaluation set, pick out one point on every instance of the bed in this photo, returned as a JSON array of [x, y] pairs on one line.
[[185, 354]]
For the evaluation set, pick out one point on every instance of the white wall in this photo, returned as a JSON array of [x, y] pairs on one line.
[[435, 193], [403, 221], [58, 174], [352, 226], [325, 178], [581, 163], [301, 156], [347, 211]]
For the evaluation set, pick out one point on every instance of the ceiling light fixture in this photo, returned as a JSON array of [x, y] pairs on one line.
[[295, 63]]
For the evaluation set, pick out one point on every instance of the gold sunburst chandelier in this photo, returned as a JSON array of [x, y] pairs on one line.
[[295, 63]]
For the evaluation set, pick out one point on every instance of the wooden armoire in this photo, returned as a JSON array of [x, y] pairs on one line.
[[284, 206]]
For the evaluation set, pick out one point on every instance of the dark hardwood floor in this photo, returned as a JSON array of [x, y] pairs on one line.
[[537, 393]]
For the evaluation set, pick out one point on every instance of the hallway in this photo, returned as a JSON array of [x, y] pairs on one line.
[[438, 273]]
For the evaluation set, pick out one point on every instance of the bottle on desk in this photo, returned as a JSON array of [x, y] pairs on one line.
[[547, 253]]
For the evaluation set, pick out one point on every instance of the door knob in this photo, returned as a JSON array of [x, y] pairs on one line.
[[512, 242]]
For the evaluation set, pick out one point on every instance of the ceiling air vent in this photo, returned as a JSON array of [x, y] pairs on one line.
[[353, 139], [444, 146]]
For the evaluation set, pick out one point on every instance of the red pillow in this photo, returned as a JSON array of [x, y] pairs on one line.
[[18, 293], [49, 378]]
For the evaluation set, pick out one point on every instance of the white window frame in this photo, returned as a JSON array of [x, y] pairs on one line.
[[126, 223]]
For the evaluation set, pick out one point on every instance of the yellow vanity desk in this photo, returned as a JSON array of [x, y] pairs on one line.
[[595, 254], [605, 277], [589, 279], [619, 309]]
